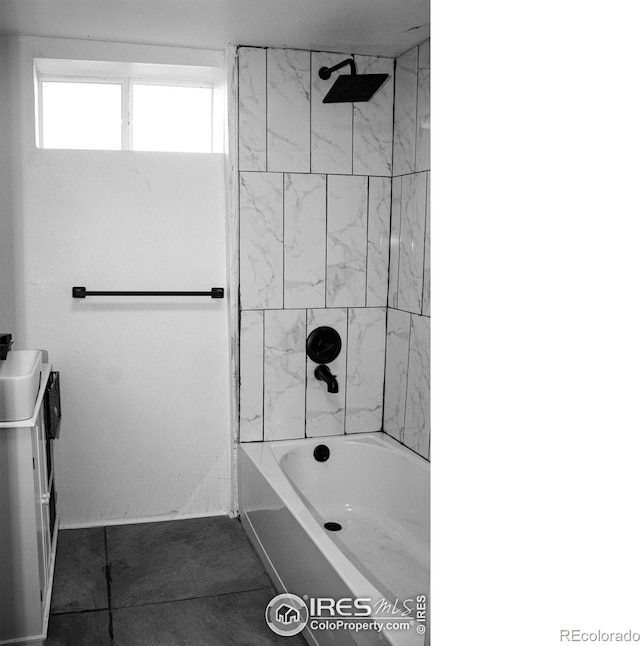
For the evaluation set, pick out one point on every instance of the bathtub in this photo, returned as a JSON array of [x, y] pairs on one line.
[[378, 492]]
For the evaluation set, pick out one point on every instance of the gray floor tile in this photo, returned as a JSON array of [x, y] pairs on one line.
[[235, 619], [168, 561], [79, 581], [79, 629]]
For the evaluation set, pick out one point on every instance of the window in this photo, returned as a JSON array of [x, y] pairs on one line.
[[127, 106], [81, 115], [171, 118]]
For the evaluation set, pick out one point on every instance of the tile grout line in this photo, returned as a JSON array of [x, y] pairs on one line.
[[306, 370], [366, 254], [215, 595], [388, 298], [284, 246], [353, 121], [406, 384], [107, 574], [346, 372], [400, 219], [424, 249], [264, 353], [85, 611], [266, 109], [326, 239], [310, 112]]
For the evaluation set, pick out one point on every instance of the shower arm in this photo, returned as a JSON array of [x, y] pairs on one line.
[[326, 72]]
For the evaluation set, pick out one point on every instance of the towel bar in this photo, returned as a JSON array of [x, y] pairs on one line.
[[82, 292]]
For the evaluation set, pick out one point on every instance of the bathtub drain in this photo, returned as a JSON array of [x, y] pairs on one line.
[[333, 527]]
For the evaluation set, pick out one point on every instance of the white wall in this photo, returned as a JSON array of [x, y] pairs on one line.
[[146, 386], [7, 190]]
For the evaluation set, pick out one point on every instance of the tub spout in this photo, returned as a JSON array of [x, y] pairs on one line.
[[5, 345], [323, 373]]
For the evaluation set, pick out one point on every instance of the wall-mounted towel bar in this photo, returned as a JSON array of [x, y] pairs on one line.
[[82, 292]]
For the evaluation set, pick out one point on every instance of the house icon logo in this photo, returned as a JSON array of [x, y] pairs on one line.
[[286, 614]]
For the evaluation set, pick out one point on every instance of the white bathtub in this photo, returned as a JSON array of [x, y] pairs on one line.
[[371, 485]]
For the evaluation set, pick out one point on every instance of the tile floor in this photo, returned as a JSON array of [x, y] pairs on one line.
[[191, 582]]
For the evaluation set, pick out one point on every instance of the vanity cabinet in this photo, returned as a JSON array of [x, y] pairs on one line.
[[28, 524]]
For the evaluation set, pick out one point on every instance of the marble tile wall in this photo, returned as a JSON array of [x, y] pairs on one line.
[[331, 123], [252, 119], [412, 112], [365, 364], [405, 114], [288, 88], [334, 230], [347, 202], [373, 122], [423, 137], [284, 372], [252, 372], [410, 241], [325, 410], [407, 381], [279, 396], [314, 240], [315, 199], [305, 243], [261, 240], [284, 126], [378, 224]]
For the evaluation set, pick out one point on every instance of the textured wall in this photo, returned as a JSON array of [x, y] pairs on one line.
[[407, 386], [315, 197], [145, 382]]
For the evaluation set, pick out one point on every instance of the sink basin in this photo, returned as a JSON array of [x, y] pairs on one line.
[[19, 381]]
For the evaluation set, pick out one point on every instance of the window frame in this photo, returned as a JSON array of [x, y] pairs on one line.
[[64, 71]]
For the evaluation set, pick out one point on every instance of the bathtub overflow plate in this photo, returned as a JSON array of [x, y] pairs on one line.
[[321, 453]]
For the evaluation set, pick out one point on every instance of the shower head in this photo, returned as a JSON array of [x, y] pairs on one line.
[[351, 88]]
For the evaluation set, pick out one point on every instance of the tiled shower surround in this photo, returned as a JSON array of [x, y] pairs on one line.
[[317, 235]]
